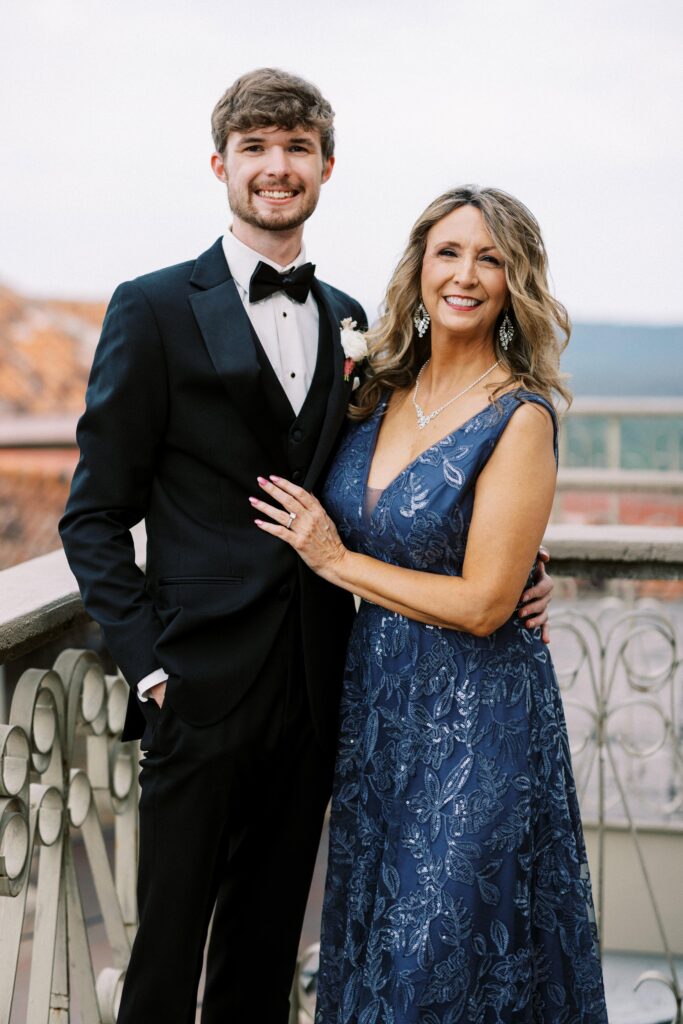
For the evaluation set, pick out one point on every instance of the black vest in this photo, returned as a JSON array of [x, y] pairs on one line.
[[299, 435]]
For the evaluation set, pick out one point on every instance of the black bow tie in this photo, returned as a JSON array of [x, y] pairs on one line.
[[266, 281]]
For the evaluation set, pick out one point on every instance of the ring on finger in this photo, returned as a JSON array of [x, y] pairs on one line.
[[292, 517]]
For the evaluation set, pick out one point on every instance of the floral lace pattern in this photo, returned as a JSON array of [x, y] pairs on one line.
[[457, 886]]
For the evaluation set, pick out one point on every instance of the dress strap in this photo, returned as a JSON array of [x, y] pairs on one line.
[[531, 396]]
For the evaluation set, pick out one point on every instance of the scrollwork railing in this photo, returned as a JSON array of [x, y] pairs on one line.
[[619, 690], [59, 756]]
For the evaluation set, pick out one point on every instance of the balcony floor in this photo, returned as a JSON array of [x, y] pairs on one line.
[[651, 1004]]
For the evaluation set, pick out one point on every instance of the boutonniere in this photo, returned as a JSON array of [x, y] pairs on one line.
[[354, 344]]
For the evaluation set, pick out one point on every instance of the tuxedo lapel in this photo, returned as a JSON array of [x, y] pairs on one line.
[[340, 389], [227, 334]]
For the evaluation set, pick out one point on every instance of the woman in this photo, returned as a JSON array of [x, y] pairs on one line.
[[457, 886]]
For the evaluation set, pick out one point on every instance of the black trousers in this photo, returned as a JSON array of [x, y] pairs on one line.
[[230, 820]]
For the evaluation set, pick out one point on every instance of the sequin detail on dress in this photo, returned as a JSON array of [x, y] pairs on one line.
[[457, 887]]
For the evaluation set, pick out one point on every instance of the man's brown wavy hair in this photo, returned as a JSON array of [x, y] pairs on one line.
[[268, 98]]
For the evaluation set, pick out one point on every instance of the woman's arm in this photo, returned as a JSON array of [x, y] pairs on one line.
[[512, 504]]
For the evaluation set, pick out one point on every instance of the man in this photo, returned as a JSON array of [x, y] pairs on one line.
[[207, 375]]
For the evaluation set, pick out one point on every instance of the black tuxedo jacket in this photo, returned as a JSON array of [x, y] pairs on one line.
[[182, 413]]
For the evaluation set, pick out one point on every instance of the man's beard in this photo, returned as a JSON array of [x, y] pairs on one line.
[[274, 220]]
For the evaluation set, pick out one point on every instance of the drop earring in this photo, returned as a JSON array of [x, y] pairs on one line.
[[506, 332], [421, 319]]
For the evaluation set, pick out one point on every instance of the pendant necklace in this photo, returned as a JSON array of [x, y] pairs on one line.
[[422, 418]]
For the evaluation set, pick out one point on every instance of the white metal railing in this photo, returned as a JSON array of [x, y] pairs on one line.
[[594, 430], [63, 769], [619, 671]]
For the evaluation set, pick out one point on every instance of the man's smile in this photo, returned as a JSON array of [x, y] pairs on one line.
[[276, 195]]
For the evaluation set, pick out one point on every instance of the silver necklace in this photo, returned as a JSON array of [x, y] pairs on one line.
[[422, 418]]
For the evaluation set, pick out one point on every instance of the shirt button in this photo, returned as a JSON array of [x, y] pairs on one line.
[[284, 591], [296, 435], [292, 375], [284, 314], [296, 474]]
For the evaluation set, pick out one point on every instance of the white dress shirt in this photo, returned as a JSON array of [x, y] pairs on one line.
[[288, 332]]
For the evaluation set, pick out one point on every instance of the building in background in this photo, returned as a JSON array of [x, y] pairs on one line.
[[46, 348]]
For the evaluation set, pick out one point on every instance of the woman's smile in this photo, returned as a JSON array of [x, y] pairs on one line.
[[460, 302]]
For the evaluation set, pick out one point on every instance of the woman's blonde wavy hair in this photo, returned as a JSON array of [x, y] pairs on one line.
[[541, 323]]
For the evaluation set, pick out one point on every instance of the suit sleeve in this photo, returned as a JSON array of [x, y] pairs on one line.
[[119, 435]]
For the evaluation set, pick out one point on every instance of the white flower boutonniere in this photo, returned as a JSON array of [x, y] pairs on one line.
[[354, 344]]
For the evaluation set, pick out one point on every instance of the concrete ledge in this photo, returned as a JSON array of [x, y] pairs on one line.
[[39, 599], [38, 431], [623, 552]]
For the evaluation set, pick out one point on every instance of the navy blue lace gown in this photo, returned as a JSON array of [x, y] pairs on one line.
[[457, 887]]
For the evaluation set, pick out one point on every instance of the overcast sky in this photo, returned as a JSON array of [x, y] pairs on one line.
[[573, 107]]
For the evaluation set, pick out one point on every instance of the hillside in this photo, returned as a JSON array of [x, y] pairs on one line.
[[625, 359]]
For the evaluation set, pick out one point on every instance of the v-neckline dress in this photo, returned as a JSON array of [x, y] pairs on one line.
[[457, 887]]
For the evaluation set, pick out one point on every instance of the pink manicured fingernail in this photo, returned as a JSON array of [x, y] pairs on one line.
[[262, 480], [275, 478], [254, 501], [259, 522]]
